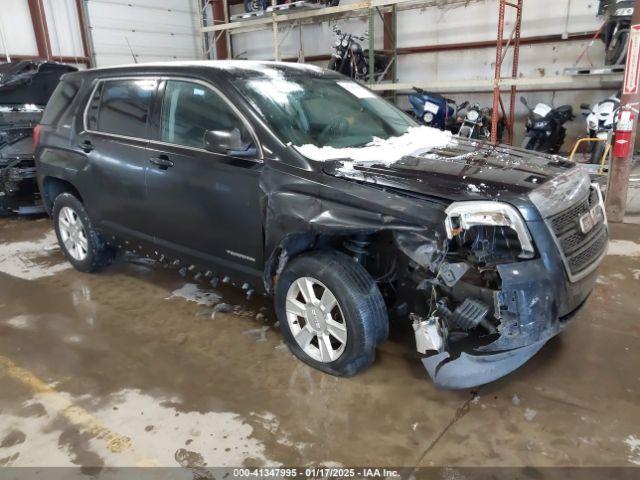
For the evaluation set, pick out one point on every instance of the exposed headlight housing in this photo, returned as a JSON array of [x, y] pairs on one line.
[[462, 216]]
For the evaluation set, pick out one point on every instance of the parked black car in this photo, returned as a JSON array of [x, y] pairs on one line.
[[299, 183], [25, 88]]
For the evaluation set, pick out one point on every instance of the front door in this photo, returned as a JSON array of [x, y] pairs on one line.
[[205, 205]]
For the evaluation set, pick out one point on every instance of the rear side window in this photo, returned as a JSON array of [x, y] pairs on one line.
[[59, 102], [121, 107]]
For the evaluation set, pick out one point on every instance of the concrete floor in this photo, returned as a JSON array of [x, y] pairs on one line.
[[128, 367]]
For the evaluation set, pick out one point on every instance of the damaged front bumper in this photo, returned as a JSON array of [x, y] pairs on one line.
[[468, 371], [535, 303]]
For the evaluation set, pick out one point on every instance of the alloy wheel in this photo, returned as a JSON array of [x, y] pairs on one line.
[[316, 320], [73, 234]]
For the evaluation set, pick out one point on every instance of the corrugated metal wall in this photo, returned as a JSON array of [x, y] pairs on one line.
[[154, 29]]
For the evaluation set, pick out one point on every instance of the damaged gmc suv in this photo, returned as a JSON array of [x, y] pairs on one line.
[[296, 182]]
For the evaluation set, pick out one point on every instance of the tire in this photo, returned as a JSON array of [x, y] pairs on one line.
[[529, 142], [359, 309], [464, 132], [616, 50], [252, 6], [597, 152], [90, 255]]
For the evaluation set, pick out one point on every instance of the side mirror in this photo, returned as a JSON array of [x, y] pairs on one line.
[[463, 105], [224, 141], [524, 101]]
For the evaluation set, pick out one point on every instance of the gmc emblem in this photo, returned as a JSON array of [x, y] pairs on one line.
[[591, 219]]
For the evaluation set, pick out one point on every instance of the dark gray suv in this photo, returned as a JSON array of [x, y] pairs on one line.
[[296, 182]]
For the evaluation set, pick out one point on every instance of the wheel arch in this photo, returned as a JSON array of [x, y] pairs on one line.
[[54, 186], [294, 245]]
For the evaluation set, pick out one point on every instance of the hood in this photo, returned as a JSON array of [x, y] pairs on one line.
[[462, 170], [30, 81]]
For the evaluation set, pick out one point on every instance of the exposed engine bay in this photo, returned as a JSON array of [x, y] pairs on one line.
[[479, 296]]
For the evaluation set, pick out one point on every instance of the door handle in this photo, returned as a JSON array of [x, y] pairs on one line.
[[86, 146], [161, 161]]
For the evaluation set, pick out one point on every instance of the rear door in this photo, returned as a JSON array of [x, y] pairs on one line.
[[115, 140], [206, 205]]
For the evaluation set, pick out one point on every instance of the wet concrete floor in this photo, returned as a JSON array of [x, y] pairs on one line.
[[128, 367]]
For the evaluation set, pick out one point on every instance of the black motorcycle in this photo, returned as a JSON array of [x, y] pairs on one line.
[[545, 127], [350, 59], [615, 34], [477, 123]]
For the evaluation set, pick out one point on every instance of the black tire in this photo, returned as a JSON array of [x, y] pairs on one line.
[[616, 50], [252, 6], [99, 254], [529, 142], [360, 301], [597, 152]]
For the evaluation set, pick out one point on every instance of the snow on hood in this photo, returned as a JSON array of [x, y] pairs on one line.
[[417, 141]]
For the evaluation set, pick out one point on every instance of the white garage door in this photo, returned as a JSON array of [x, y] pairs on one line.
[[150, 30]]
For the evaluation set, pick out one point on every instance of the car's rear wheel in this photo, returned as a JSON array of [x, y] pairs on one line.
[[331, 312], [80, 243]]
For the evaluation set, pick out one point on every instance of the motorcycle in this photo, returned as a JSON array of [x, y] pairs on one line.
[[351, 60], [615, 33], [436, 111], [601, 120], [259, 5], [545, 127], [477, 123]]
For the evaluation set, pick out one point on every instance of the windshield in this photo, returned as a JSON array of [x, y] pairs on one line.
[[324, 112]]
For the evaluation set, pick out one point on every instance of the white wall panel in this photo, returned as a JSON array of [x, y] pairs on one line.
[[155, 30], [15, 23], [64, 28]]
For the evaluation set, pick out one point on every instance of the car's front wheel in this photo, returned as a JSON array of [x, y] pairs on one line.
[[80, 243], [331, 312]]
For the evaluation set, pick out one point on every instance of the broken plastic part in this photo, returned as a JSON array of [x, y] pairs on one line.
[[468, 315], [468, 371], [450, 273], [430, 335]]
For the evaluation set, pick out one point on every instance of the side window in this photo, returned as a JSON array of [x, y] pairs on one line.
[[190, 109], [121, 107], [59, 102]]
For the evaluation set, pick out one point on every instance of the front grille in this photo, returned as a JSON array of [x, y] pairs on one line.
[[579, 249], [585, 257]]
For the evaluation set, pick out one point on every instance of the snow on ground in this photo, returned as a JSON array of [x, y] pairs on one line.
[[32, 259], [625, 248], [193, 293]]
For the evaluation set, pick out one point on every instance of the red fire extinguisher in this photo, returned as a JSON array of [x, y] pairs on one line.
[[622, 138]]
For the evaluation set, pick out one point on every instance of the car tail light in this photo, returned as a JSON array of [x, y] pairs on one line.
[[36, 136]]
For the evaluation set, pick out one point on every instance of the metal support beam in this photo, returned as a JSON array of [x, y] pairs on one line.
[[501, 51], [87, 42], [620, 170], [39, 21], [218, 15], [372, 51]]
